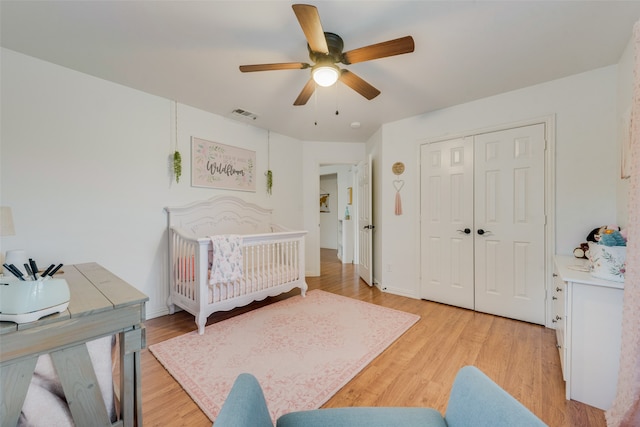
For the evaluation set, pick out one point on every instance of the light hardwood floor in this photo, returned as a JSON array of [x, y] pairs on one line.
[[417, 370]]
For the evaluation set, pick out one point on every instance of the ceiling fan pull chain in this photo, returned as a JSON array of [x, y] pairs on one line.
[[315, 105], [337, 91]]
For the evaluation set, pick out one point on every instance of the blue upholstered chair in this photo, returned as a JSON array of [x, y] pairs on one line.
[[475, 401]]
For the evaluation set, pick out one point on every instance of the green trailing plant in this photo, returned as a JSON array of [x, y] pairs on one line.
[[177, 165], [269, 175]]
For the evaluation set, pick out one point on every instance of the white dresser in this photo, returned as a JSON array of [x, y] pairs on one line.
[[588, 319], [345, 241]]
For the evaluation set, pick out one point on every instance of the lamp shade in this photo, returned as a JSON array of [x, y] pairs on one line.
[[6, 222], [325, 75]]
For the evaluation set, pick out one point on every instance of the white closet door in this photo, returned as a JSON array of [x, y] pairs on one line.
[[446, 213], [491, 186], [510, 223]]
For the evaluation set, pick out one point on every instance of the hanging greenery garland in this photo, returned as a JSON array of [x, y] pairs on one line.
[[269, 181], [268, 173], [177, 165], [177, 158]]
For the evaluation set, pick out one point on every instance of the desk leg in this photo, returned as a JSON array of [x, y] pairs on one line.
[[131, 343], [80, 384], [15, 379], [138, 405]]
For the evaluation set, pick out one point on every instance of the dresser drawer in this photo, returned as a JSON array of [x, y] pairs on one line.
[[559, 319]]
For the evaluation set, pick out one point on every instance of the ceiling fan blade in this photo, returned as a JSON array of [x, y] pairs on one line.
[[270, 67], [379, 50], [309, 20], [359, 85], [306, 93]]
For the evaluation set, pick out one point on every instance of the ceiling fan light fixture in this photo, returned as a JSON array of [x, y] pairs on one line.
[[325, 75]]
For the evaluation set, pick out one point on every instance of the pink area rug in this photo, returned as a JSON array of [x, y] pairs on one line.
[[302, 350]]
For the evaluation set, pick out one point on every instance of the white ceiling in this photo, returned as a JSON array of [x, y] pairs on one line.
[[190, 51]]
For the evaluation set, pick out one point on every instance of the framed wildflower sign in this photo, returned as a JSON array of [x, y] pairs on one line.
[[216, 165]]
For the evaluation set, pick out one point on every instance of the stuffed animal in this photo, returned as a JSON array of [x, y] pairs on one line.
[[582, 251], [597, 233], [611, 237], [594, 236], [608, 235]]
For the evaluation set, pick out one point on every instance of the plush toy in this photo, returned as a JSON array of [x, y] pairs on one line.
[[582, 251], [594, 236], [611, 237], [608, 235], [597, 233]]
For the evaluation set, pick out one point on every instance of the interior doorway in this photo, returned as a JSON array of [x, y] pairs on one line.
[[337, 209], [329, 220]]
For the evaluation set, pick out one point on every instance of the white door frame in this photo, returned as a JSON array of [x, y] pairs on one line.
[[550, 176], [316, 211]]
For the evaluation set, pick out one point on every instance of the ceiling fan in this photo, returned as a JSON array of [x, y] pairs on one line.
[[325, 50]]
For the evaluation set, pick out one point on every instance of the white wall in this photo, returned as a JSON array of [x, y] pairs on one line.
[[586, 157], [625, 98], [85, 169]]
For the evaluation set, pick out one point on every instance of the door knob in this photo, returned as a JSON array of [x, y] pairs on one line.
[[465, 231], [481, 231]]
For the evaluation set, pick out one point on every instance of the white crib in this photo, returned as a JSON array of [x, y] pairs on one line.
[[272, 256]]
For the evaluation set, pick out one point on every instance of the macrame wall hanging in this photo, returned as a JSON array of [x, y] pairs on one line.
[[398, 169]]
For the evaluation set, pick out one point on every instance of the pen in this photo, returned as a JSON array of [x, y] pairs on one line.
[[55, 269], [12, 268], [28, 270], [17, 271], [44, 274], [34, 268]]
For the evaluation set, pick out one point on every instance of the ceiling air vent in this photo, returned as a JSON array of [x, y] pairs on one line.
[[239, 112]]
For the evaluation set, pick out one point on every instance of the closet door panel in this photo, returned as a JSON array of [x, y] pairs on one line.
[[510, 220], [446, 211]]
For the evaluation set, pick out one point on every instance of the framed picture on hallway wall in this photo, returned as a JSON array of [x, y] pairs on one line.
[[324, 203], [216, 165]]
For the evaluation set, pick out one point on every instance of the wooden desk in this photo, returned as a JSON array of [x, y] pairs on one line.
[[101, 305]]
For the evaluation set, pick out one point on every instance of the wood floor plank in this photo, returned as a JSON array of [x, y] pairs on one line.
[[417, 370]]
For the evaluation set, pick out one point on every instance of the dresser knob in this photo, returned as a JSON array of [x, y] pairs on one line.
[[558, 346], [554, 320], [554, 298], [558, 289], [558, 317]]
